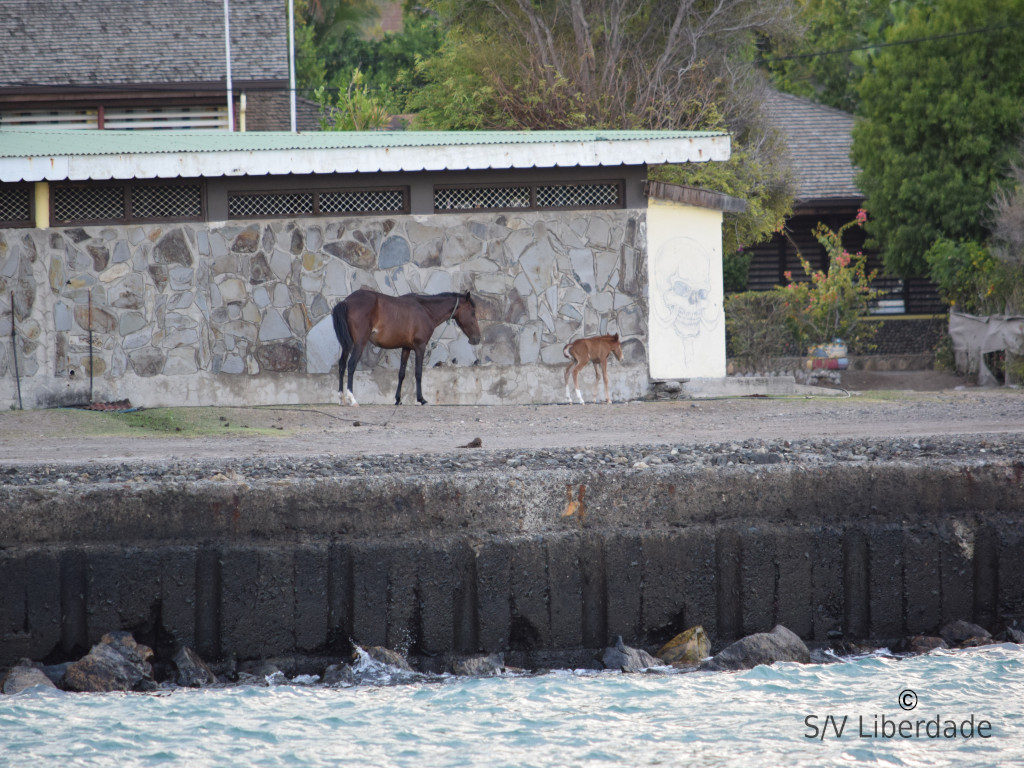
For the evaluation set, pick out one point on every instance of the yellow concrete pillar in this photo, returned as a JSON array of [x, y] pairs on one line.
[[42, 205]]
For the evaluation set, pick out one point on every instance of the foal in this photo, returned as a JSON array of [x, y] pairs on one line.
[[594, 349]]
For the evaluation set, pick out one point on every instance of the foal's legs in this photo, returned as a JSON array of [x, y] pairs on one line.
[[604, 375], [579, 366]]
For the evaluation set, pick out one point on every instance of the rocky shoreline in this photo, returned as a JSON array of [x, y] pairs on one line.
[[120, 663]]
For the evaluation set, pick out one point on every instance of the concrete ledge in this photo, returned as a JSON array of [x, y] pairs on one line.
[[752, 386], [534, 563]]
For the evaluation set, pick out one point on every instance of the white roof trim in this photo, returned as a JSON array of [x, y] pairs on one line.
[[260, 162]]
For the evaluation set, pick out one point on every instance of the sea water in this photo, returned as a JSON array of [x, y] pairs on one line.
[[961, 708]]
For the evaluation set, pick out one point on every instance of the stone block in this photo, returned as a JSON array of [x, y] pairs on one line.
[[311, 597], [728, 598], [664, 591], [794, 596], [30, 611], [757, 580], [565, 589], [530, 627], [493, 567], [885, 582], [403, 596], [623, 560], [923, 582], [369, 594], [827, 595], [257, 606]]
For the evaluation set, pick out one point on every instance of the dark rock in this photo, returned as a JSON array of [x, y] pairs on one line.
[[842, 647], [247, 241], [56, 672], [339, 674], [480, 666], [192, 670], [354, 253], [761, 648], [389, 657], [1012, 635], [259, 269], [281, 356], [372, 666], [958, 632], [686, 648], [173, 248], [627, 659], [24, 676], [925, 644], [100, 256], [116, 663], [975, 642], [259, 668]]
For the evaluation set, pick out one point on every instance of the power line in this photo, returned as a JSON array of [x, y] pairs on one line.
[[835, 51]]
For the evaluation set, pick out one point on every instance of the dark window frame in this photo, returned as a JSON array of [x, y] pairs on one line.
[[532, 186], [127, 188], [29, 188], [316, 212]]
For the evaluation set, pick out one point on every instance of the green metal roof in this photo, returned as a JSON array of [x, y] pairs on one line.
[[21, 143], [54, 155]]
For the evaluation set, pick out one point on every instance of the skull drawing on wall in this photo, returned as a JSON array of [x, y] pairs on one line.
[[683, 291]]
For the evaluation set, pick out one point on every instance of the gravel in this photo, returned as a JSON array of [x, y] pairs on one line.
[[967, 450]]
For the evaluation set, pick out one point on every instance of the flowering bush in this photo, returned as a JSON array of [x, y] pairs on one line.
[[832, 304]]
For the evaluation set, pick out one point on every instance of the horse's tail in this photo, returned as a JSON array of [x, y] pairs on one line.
[[341, 329]]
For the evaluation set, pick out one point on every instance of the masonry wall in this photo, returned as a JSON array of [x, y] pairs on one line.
[[554, 567], [201, 314]]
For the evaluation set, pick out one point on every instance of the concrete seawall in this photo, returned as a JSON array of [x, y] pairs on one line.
[[544, 563]]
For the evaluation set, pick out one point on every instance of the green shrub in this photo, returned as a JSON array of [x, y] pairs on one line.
[[756, 328]]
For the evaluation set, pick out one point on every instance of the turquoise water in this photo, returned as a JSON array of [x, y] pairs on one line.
[[766, 716]]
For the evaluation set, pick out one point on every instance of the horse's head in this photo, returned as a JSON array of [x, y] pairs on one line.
[[465, 316], [617, 347]]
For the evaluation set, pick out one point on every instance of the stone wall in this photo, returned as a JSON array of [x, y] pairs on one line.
[[442, 563], [199, 314]]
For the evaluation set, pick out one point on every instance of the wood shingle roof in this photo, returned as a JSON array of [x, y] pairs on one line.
[[100, 43], [819, 140]]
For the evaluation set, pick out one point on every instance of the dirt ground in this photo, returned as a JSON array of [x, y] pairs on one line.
[[873, 405]]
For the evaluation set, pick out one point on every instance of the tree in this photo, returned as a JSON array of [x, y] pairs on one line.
[[646, 64], [826, 60], [336, 39], [941, 114]]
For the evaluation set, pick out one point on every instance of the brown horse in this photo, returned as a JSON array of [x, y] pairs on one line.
[[596, 350], [392, 322]]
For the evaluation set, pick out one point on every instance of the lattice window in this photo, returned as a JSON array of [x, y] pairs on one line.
[[88, 203], [363, 201], [578, 196], [481, 198], [259, 206], [16, 205], [167, 201]]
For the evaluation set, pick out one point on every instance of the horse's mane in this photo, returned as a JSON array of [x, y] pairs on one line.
[[448, 295]]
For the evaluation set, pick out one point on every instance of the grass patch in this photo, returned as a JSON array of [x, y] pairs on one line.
[[194, 422]]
